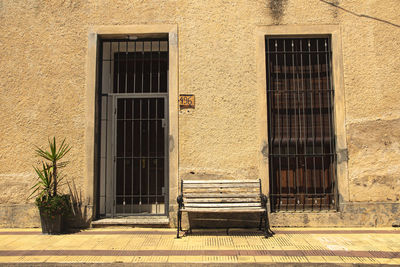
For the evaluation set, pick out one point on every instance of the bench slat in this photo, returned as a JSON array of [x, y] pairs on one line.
[[220, 195], [219, 181], [223, 200], [222, 205], [234, 185], [249, 209], [223, 189]]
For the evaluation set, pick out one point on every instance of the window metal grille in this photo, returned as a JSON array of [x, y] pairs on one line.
[[133, 127], [301, 136]]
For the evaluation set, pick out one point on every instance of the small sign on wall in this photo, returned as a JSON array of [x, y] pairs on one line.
[[186, 101]]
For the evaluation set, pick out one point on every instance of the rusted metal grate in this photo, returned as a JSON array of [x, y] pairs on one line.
[[300, 124]]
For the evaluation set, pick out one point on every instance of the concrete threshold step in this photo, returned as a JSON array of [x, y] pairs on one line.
[[132, 220]]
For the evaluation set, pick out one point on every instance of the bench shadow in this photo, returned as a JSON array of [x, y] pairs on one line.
[[243, 224], [222, 221], [224, 232]]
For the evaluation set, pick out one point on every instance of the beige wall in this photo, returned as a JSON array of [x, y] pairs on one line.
[[44, 85]]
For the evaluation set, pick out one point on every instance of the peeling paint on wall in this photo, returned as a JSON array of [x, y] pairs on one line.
[[264, 150]]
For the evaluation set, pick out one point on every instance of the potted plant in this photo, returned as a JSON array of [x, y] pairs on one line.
[[52, 205]]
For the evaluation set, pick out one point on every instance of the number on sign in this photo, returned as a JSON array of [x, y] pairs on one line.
[[186, 101]]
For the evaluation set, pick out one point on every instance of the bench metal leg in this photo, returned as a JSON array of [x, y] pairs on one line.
[[267, 229], [266, 234], [179, 223]]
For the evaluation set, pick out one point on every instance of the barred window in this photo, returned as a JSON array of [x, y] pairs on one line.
[[301, 136]]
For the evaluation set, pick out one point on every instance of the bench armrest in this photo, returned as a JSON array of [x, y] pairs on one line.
[[179, 199], [264, 200]]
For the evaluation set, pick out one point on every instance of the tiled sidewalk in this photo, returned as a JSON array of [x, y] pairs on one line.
[[145, 245]]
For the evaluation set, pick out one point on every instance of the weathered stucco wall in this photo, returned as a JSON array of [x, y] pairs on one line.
[[43, 49]]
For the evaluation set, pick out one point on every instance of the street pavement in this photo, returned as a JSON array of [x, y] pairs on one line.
[[219, 247]]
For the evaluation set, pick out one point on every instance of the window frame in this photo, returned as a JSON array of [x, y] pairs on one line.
[[339, 98], [312, 184]]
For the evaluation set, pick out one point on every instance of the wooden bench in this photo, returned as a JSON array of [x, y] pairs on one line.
[[221, 196]]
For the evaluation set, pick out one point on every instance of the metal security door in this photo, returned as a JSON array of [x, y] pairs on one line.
[[140, 159], [132, 126]]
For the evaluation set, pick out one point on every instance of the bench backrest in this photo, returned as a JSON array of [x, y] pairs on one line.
[[221, 193]]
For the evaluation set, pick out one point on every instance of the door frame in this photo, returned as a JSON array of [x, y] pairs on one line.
[[94, 34]]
